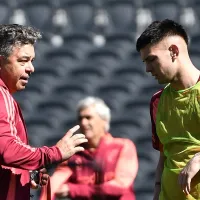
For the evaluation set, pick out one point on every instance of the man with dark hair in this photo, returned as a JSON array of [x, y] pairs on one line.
[[175, 110], [16, 156]]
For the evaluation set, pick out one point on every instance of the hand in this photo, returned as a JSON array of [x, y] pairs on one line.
[[34, 185], [63, 191], [69, 144], [43, 179], [188, 172]]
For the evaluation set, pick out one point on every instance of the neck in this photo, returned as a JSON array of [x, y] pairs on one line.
[[187, 77], [93, 143]]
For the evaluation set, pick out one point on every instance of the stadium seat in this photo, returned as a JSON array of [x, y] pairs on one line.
[[138, 109], [125, 127], [122, 42], [108, 57], [39, 129], [194, 42], [80, 14], [55, 109], [143, 194], [46, 77], [164, 9], [61, 130], [38, 13], [131, 74], [147, 2], [62, 56], [90, 75], [5, 12], [29, 98], [144, 189], [81, 43], [122, 15], [134, 57], [196, 8], [71, 92], [43, 46], [20, 2], [114, 93], [87, 71], [148, 90], [194, 55]]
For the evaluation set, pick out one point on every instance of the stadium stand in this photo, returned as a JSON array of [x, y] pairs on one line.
[[80, 15], [121, 14], [5, 12], [164, 9]]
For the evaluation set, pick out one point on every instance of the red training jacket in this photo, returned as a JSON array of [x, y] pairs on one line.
[[16, 156], [107, 173]]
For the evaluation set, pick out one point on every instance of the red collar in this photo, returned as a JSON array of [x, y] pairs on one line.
[[3, 84]]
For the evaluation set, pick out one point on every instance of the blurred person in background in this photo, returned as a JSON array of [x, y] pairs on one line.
[[175, 110], [106, 169], [16, 156]]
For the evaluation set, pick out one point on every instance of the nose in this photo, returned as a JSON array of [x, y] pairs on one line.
[[148, 68], [30, 68], [83, 122]]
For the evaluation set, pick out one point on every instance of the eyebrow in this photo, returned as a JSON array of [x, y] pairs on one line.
[[27, 57], [149, 56], [146, 59], [83, 116]]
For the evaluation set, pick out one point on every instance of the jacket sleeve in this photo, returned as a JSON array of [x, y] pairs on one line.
[[15, 153], [125, 173], [153, 110]]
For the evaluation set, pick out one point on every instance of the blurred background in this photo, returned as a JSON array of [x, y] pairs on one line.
[[88, 48]]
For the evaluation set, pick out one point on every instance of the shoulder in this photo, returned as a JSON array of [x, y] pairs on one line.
[[155, 98], [154, 101], [7, 102], [5, 95], [122, 142]]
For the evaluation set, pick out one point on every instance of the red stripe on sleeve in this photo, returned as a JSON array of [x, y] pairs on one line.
[[15, 152]]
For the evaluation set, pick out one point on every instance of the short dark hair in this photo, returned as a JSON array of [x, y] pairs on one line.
[[15, 34], [158, 30]]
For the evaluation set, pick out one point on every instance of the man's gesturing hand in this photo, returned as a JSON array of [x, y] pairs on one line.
[[69, 144], [188, 172]]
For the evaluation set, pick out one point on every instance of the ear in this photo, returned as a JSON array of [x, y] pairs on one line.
[[174, 51]]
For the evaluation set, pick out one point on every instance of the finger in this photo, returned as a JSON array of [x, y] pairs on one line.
[[43, 182], [78, 149], [45, 177], [34, 185], [80, 141], [61, 194], [188, 186], [72, 131], [77, 137], [185, 183], [43, 170]]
